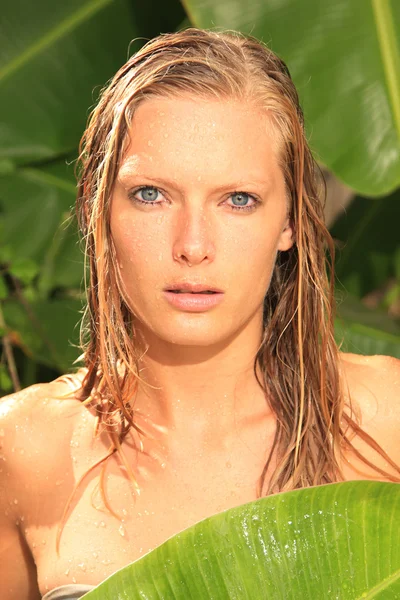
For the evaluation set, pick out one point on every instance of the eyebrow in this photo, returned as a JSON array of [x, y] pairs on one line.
[[235, 185]]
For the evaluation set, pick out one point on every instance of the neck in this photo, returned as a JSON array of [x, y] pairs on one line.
[[195, 391]]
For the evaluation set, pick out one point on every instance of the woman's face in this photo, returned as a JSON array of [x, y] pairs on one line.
[[212, 211]]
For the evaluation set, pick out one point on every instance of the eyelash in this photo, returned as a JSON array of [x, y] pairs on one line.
[[132, 193]]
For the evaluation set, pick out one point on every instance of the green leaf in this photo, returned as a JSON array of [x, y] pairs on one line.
[[6, 167], [361, 330], [36, 204], [332, 541], [367, 234], [397, 263], [3, 289], [53, 62], [46, 330], [345, 61], [25, 269], [6, 253], [6, 384]]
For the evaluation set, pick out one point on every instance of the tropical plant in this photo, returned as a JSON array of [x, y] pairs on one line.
[[54, 62], [334, 541]]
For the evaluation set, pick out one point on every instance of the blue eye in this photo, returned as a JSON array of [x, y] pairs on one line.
[[149, 194], [242, 203], [242, 199]]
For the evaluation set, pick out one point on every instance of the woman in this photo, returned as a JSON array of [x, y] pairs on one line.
[[211, 376]]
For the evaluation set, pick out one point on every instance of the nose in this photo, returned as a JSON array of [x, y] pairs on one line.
[[194, 241]]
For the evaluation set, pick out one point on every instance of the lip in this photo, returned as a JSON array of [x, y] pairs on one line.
[[193, 302]]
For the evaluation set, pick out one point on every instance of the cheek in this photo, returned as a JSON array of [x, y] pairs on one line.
[[254, 251], [140, 249]]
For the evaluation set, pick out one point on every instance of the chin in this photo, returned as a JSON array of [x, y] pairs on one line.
[[186, 330], [181, 336]]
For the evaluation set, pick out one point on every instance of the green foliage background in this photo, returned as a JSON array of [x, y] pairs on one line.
[[54, 59]]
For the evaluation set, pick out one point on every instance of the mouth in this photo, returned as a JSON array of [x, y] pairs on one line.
[[195, 299], [192, 287], [190, 292]]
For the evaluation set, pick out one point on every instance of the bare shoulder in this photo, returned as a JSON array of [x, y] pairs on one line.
[[373, 382], [372, 385], [36, 425], [33, 423], [39, 402]]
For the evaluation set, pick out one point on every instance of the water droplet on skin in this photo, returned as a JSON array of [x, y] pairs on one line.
[[122, 530], [228, 465], [124, 511], [150, 143], [67, 572], [106, 561], [22, 451], [73, 580], [160, 257], [163, 465], [95, 554], [44, 542], [15, 501], [102, 524], [82, 566]]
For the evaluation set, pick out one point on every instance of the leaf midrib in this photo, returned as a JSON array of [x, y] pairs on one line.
[[52, 36], [382, 585], [390, 53]]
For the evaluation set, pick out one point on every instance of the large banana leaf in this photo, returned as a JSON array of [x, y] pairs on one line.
[[344, 56], [55, 57], [335, 541]]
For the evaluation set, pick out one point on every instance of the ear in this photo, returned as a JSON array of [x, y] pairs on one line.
[[286, 239]]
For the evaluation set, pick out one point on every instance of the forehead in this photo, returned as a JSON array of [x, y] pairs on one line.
[[192, 136]]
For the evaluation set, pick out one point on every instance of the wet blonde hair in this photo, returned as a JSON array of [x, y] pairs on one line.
[[298, 357]]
